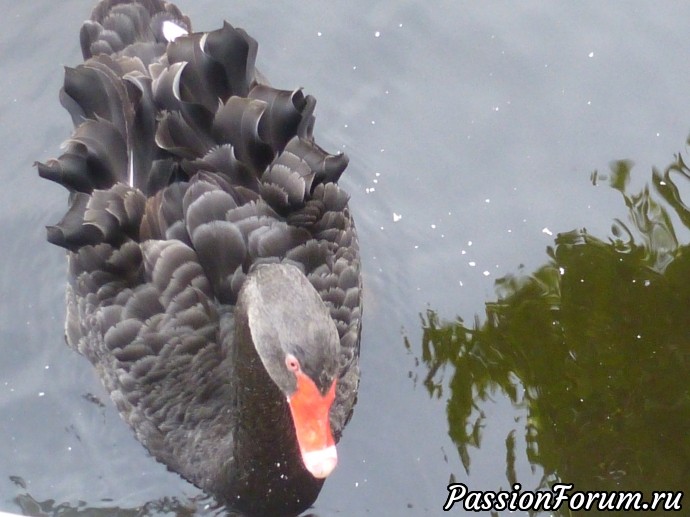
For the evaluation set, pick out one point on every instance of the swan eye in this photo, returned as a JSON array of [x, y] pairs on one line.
[[292, 363]]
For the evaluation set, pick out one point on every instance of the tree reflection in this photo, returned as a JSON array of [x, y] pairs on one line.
[[595, 345]]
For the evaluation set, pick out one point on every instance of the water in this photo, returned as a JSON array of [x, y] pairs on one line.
[[473, 132]]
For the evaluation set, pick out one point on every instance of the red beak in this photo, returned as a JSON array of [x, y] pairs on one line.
[[310, 415]]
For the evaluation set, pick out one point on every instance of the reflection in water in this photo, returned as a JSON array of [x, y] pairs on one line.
[[594, 345], [170, 506], [164, 506]]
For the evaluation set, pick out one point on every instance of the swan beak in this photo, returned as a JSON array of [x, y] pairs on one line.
[[310, 411]]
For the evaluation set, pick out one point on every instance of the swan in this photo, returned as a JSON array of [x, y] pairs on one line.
[[213, 264]]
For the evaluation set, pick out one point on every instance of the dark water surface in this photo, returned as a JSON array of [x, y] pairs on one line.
[[474, 133]]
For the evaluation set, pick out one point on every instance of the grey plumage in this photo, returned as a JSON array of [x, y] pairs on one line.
[[186, 175]]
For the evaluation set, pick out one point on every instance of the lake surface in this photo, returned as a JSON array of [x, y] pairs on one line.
[[477, 133]]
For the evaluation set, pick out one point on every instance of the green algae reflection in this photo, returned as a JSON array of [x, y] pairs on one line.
[[594, 345]]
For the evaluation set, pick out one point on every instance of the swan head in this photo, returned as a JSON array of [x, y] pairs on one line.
[[298, 344]]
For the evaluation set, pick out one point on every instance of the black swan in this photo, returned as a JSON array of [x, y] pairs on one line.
[[213, 264]]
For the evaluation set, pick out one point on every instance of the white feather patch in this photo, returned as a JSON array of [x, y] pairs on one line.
[[172, 31]]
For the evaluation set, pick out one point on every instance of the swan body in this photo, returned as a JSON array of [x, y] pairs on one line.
[[213, 264]]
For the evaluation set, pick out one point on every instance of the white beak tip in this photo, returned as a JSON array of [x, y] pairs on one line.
[[322, 462]]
